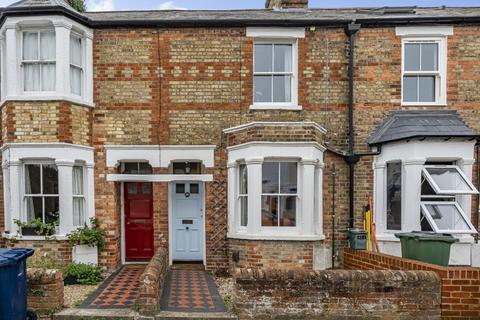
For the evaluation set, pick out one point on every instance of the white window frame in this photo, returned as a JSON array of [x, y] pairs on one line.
[[434, 226], [239, 197], [40, 62], [441, 192], [26, 195], [74, 66], [278, 228], [440, 74], [293, 104], [82, 196]]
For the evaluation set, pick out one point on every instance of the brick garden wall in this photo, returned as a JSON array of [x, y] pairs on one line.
[[460, 286], [44, 291], [56, 250], [337, 294]]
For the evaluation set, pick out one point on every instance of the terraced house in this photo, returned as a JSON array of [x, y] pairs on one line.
[[244, 138]]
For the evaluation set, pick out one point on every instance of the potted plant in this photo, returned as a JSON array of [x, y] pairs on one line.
[[85, 242], [37, 227]]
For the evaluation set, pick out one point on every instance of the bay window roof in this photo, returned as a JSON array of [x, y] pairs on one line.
[[407, 124]]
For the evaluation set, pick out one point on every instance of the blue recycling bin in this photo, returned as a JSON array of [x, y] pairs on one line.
[[13, 283]]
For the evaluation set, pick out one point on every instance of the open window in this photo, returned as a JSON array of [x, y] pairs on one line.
[[447, 217], [441, 184]]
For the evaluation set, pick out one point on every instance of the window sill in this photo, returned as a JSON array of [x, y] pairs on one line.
[[273, 106], [33, 238], [278, 237], [423, 104], [50, 97]]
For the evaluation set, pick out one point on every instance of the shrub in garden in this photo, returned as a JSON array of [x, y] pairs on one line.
[[84, 273]]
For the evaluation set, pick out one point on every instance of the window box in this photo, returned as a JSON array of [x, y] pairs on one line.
[[35, 231], [85, 254]]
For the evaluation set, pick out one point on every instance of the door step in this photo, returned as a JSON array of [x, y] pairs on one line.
[[170, 315], [188, 266]]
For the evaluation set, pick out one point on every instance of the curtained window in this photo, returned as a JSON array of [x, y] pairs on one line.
[[76, 64], [78, 196], [38, 60]]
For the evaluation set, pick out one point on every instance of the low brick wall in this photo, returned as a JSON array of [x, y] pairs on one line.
[[460, 286], [337, 294], [58, 249], [45, 290], [152, 281]]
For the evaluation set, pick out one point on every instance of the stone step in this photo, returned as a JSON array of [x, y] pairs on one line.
[[96, 314], [170, 315]]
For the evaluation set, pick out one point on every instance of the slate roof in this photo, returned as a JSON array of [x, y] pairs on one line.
[[406, 124], [40, 3]]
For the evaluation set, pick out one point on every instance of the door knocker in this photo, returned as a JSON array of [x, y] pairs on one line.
[[187, 194]]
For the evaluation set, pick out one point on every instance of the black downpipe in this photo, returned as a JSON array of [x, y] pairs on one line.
[[351, 158]]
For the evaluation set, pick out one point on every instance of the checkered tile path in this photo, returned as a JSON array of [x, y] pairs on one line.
[[120, 290], [191, 291]]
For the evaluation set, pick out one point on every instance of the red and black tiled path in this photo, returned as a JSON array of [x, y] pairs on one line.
[[191, 291], [120, 290]]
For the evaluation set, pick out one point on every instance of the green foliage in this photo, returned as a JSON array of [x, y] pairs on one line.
[[84, 273], [91, 236], [78, 5], [41, 228], [46, 262]]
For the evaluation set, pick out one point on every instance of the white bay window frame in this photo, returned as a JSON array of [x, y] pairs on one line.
[[11, 54], [309, 218], [65, 157], [429, 216]]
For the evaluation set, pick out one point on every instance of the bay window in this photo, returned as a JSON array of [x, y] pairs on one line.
[[41, 193], [38, 60]]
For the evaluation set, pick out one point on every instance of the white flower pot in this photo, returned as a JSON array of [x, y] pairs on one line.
[[85, 254]]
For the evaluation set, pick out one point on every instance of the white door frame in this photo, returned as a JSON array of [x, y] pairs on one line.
[[170, 219]]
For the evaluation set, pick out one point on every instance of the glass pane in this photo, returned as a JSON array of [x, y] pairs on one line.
[[187, 168], [146, 188], [194, 188], [288, 211], [132, 188], [47, 46], [76, 81], [129, 168], [48, 77], [51, 209], [426, 89], [447, 217], [282, 88], [145, 168], [412, 56], [288, 177], [394, 196], [34, 208], [76, 51], [263, 58], [180, 188], [410, 86], [270, 177], [283, 58], [262, 88], [32, 179], [270, 211], [243, 179], [77, 178], [449, 179], [30, 46], [78, 212], [50, 179], [243, 211], [429, 56], [31, 77]]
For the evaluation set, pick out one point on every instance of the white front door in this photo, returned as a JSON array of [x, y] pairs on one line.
[[187, 221]]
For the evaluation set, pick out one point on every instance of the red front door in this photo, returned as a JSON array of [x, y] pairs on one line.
[[138, 220]]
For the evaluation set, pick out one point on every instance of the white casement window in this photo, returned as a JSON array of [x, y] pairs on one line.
[[275, 74], [440, 210], [243, 194], [424, 73], [41, 192], [76, 64], [78, 196], [38, 60], [279, 194]]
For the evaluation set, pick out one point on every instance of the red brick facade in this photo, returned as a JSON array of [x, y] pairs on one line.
[[171, 86], [460, 287]]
